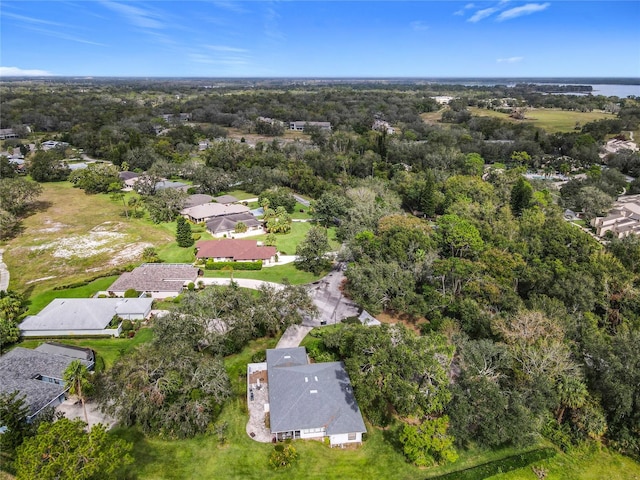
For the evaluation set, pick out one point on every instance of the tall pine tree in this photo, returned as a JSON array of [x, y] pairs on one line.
[[183, 233]]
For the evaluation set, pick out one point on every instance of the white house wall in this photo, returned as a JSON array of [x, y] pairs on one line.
[[344, 438], [109, 332]]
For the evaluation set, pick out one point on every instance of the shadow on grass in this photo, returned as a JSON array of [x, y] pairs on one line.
[[143, 454], [391, 435]]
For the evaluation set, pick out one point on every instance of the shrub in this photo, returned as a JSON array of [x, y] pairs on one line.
[[211, 265], [283, 456], [259, 356], [131, 293], [191, 286], [127, 325]]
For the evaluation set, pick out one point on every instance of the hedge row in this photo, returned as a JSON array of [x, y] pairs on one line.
[[87, 281], [503, 465], [211, 265]]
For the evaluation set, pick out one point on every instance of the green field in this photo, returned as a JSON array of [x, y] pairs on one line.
[[41, 300], [73, 236], [551, 120]]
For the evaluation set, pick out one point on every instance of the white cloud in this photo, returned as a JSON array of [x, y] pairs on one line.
[[527, 9], [462, 10], [510, 60], [135, 15], [419, 26], [224, 48], [481, 14], [24, 18], [21, 72]]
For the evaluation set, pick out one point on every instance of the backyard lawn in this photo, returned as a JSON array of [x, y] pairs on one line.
[[280, 274]]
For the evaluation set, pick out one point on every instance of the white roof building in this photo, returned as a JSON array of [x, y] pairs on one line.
[[623, 219]]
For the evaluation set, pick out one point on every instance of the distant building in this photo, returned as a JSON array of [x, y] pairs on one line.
[[225, 226], [204, 212], [300, 126], [623, 219], [180, 117], [6, 133], [443, 99]]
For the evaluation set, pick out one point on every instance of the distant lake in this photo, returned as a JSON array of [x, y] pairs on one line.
[[621, 91]]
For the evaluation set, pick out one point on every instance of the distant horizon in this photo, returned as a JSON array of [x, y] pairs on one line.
[[596, 80], [315, 39]]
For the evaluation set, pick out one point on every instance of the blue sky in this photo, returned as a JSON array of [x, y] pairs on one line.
[[224, 38]]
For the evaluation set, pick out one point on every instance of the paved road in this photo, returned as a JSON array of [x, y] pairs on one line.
[[301, 200], [4, 274]]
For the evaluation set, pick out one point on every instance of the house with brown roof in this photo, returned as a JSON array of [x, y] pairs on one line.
[[157, 280], [231, 250]]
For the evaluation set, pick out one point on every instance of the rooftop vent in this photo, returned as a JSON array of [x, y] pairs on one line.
[[313, 391]]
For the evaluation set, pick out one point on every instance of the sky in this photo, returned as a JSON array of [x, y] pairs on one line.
[[226, 38]]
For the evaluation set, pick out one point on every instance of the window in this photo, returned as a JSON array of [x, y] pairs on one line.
[[351, 437]]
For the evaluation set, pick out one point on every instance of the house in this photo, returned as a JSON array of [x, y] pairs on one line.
[[38, 374], [127, 176], [623, 219], [65, 317], [197, 199], [164, 184], [49, 144], [7, 133], [226, 199], [231, 250], [310, 400], [181, 117], [157, 280], [226, 225], [300, 126], [202, 213]]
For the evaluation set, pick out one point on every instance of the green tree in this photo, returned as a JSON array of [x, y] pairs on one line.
[[13, 417], [521, 195], [18, 194], [77, 377], [330, 207], [184, 236], [428, 444], [241, 227], [47, 166], [459, 237], [65, 451], [279, 197], [165, 205], [96, 178], [150, 255], [312, 251]]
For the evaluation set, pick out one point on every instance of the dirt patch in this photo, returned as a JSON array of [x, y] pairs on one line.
[[129, 253], [40, 279], [408, 321], [51, 227]]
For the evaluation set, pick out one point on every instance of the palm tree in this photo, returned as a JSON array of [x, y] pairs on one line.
[[76, 377], [573, 394]]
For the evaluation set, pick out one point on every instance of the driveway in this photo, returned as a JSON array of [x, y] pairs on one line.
[[293, 335], [72, 409], [332, 305], [242, 282]]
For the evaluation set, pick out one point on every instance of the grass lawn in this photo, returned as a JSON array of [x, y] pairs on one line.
[[277, 274], [41, 300], [287, 243], [550, 119], [107, 349]]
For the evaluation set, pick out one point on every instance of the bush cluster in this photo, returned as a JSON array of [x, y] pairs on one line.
[[211, 265]]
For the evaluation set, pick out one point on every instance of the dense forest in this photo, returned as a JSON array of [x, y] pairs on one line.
[[515, 324]]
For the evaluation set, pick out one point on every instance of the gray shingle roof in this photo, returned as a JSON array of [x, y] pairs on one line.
[[156, 277], [303, 396], [19, 369], [229, 222], [84, 313]]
